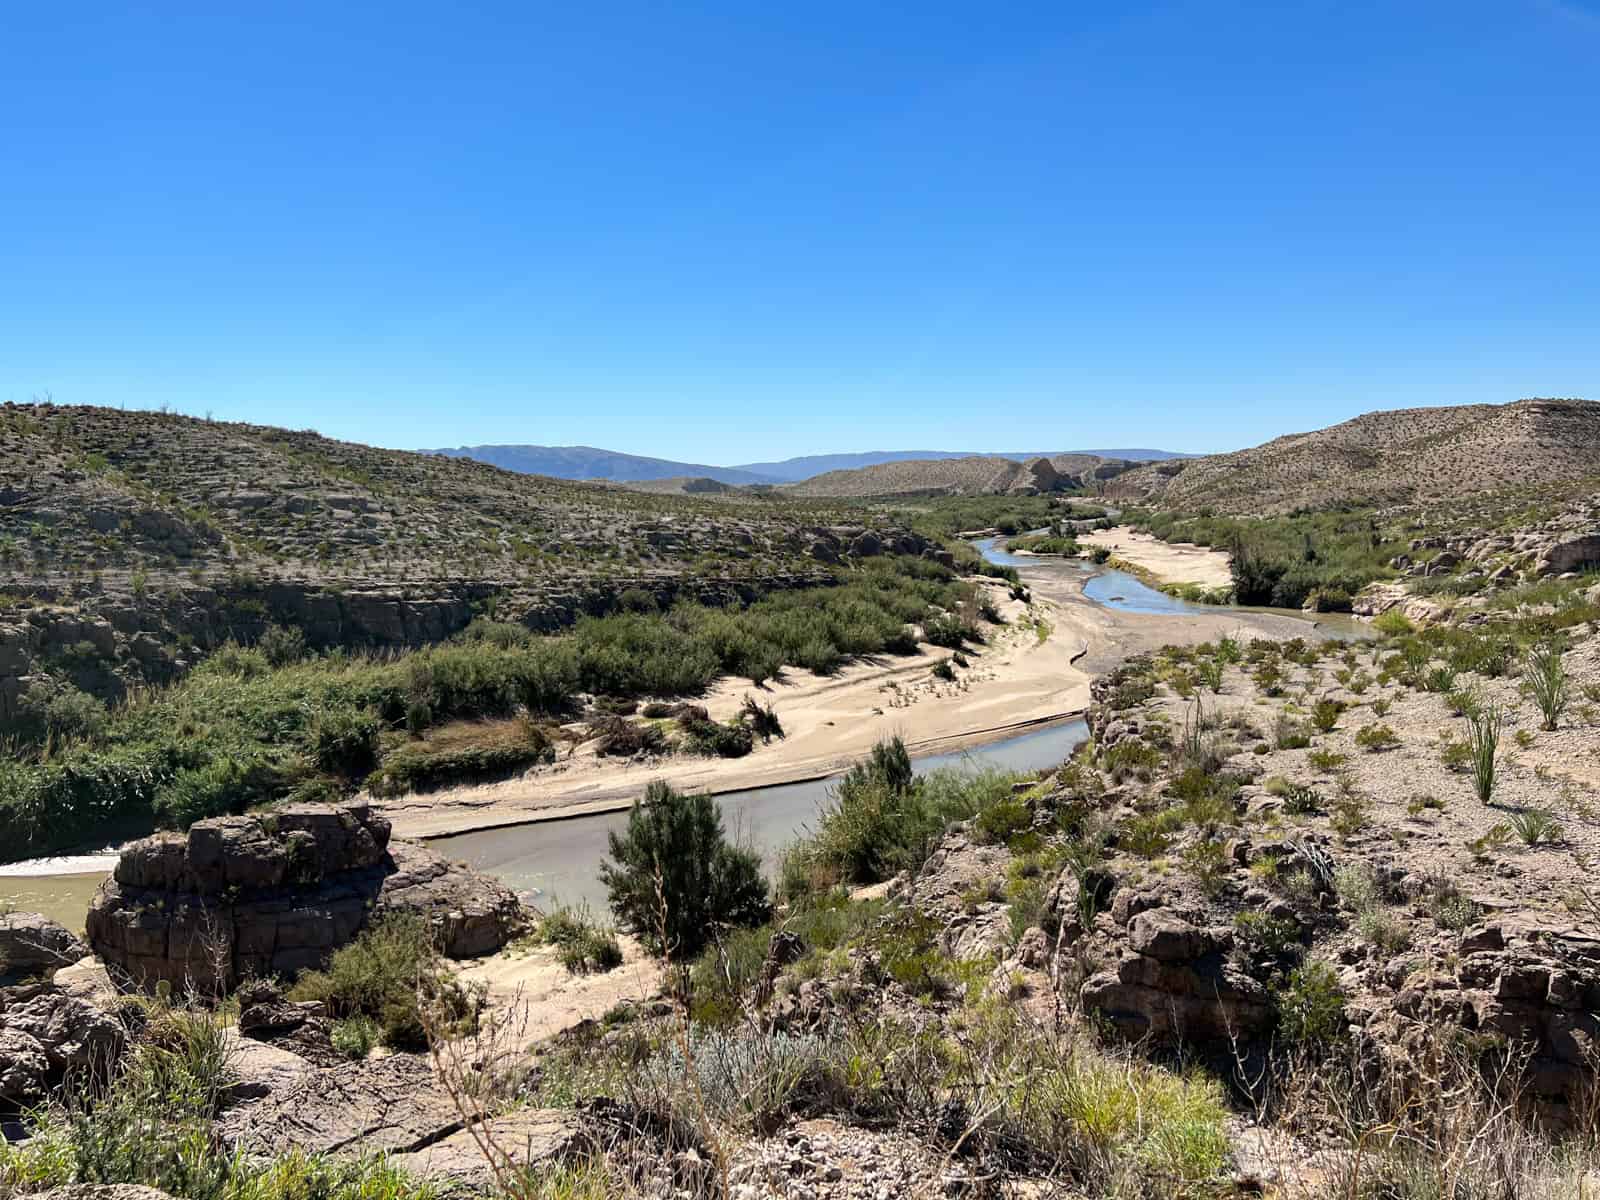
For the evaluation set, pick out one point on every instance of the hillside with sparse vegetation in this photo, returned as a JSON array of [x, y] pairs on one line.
[[1395, 457]]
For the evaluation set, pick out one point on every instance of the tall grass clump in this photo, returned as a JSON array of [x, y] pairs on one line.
[[1483, 743], [1546, 679]]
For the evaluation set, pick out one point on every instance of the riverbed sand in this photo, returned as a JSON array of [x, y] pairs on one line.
[[1036, 669], [1024, 675], [1169, 562]]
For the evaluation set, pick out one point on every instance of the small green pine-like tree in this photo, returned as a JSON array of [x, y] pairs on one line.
[[674, 878]]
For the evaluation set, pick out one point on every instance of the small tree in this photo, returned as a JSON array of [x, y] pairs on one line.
[[676, 879]]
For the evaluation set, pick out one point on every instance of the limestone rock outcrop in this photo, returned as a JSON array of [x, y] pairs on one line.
[[389, 1105], [32, 944], [45, 1034], [1175, 981], [277, 892], [519, 1140]]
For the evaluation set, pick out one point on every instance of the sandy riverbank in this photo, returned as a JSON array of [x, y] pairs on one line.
[[1026, 675], [1036, 668], [1169, 562]]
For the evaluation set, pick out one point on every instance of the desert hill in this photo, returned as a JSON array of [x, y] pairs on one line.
[[1398, 456], [133, 542], [793, 470], [592, 463], [979, 474]]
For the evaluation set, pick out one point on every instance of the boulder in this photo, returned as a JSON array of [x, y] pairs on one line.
[[1570, 554], [44, 1034], [260, 1068], [529, 1137], [274, 893], [386, 1105], [31, 944]]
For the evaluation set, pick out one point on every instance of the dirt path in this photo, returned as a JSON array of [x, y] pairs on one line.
[[1170, 562]]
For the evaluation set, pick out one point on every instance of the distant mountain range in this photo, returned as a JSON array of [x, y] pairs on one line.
[[589, 462]]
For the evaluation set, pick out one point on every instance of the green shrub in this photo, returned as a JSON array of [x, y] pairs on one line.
[[1393, 623], [674, 879], [1325, 715], [703, 736], [1289, 734], [282, 645], [1311, 1005], [1004, 820], [344, 740], [354, 1037], [949, 631], [392, 974], [1535, 826], [1374, 738], [51, 708], [582, 943], [481, 753]]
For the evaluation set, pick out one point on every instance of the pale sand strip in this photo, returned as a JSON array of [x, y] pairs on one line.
[[1169, 562]]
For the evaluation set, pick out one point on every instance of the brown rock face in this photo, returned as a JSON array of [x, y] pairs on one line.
[[277, 892], [1174, 981], [390, 1105], [44, 1035], [32, 944]]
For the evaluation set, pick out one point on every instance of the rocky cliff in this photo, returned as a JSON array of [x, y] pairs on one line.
[[277, 892]]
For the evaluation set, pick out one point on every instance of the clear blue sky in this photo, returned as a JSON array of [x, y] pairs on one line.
[[740, 231]]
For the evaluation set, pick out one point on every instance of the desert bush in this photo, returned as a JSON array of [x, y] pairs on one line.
[[624, 738], [354, 1037], [1535, 826], [455, 754], [703, 736], [1310, 1005], [674, 879], [1325, 715], [344, 740], [282, 645], [393, 974], [582, 943], [1290, 734], [761, 718], [51, 709], [1374, 738]]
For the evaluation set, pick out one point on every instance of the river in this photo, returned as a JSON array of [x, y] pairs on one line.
[[560, 858]]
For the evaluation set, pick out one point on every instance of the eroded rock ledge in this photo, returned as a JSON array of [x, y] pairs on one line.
[[276, 892]]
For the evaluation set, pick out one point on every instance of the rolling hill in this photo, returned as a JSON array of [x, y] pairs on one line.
[[974, 475], [793, 470], [589, 462], [1398, 456]]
